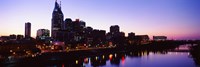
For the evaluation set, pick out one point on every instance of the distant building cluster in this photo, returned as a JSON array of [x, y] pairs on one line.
[[159, 38], [11, 37], [19, 37], [43, 35], [76, 33]]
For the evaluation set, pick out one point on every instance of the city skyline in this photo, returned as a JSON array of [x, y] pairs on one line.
[[175, 19]]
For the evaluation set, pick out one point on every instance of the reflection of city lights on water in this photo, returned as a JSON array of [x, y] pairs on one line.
[[145, 53], [139, 53], [110, 56], [151, 53], [169, 53], [123, 60], [181, 53], [176, 53], [86, 60], [63, 65], [188, 53]]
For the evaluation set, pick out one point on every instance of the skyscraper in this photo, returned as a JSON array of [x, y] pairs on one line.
[[42, 34], [56, 21], [27, 29], [114, 29]]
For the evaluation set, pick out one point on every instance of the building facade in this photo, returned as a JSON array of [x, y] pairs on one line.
[[56, 21], [27, 29], [42, 34], [114, 29]]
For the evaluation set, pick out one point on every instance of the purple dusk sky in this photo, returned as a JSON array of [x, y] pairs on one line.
[[177, 19]]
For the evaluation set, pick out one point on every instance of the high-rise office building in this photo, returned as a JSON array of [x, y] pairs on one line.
[[114, 29], [42, 34], [27, 29], [56, 21], [68, 24]]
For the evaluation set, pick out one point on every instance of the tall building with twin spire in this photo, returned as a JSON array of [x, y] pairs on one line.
[[68, 31], [56, 21]]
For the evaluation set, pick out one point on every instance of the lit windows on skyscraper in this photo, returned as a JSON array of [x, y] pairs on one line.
[[57, 21]]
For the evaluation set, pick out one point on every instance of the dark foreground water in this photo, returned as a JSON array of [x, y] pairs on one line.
[[131, 59], [171, 59], [175, 58]]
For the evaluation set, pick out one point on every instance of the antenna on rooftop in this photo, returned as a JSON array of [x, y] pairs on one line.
[[60, 4]]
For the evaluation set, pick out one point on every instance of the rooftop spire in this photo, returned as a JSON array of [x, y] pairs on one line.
[[56, 8], [60, 4]]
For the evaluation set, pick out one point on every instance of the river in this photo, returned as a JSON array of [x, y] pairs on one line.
[[139, 59]]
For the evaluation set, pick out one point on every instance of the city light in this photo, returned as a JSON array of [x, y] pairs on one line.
[[110, 56], [76, 61]]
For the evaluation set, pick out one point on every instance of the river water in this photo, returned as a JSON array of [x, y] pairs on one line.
[[139, 59], [170, 59]]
